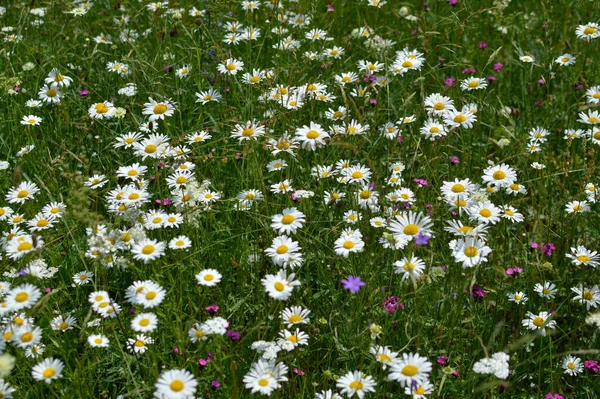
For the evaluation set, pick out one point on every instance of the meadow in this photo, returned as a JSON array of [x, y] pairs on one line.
[[300, 199]]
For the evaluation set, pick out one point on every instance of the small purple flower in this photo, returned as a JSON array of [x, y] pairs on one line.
[[498, 66], [592, 365], [442, 360], [400, 139], [215, 384], [455, 373], [233, 335], [477, 292], [169, 68], [449, 81], [452, 2], [421, 182], [22, 272], [512, 270], [212, 309], [551, 395], [548, 248], [392, 304], [454, 159], [483, 45], [330, 8], [83, 93], [491, 78], [542, 81], [538, 103], [298, 371], [353, 284], [373, 101], [131, 310], [422, 239]]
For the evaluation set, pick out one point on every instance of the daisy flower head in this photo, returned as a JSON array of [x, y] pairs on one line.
[[349, 243], [144, 322], [150, 296], [210, 95], [538, 323], [410, 267], [209, 277], [31, 120], [356, 383], [280, 285], [546, 290], [588, 31], [410, 367], [288, 221], [383, 355], [158, 110], [459, 118], [50, 94], [282, 248], [593, 95], [328, 394], [48, 370], [147, 250], [139, 344], [175, 384], [527, 58], [517, 297], [499, 175], [23, 296], [583, 256], [575, 207], [103, 110], [180, 242], [295, 315], [420, 390], [565, 60], [410, 224], [470, 251], [56, 78], [572, 365], [251, 130], [292, 339], [230, 66], [98, 341], [473, 84], [23, 192], [311, 137], [588, 296]]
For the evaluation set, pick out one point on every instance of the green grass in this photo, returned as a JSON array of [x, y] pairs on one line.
[[440, 318]]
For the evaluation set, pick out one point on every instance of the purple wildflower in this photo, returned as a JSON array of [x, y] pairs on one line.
[[353, 284]]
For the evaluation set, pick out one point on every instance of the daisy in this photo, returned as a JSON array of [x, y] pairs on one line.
[[517, 297], [251, 130], [527, 58], [409, 368], [282, 187], [295, 315], [144, 322], [572, 365], [6, 390], [60, 323], [180, 242], [98, 341], [500, 175], [278, 164], [147, 250], [83, 278], [96, 181], [230, 66], [547, 290], [591, 118], [588, 31], [52, 210], [565, 60], [311, 137], [151, 295], [210, 95], [420, 391], [593, 95], [103, 110], [158, 110], [328, 394], [473, 84], [183, 71], [288, 221], [436, 104], [279, 286], [510, 213], [292, 338], [383, 355], [470, 251], [265, 376], [433, 130], [412, 267], [51, 95], [23, 192], [48, 370], [209, 277], [346, 78], [463, 118], [463, 188], [176, 384], [282, 248], [132, 172], [139, 343], [589, 296], [575, 207], [55, 78], [22, 297], [356, 383], [127, 140], [484, 212], [31, 120], [349, 243], [538, 323], [26, 336], [357, 174], [409, 225]]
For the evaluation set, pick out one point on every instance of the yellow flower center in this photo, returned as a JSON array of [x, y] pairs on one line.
[[460, 118], [160, 109], [517, 297], [209, 277], [27, 337], [348, 245], [144, 322], [588, 296], [279, 286], [293, 338], [583, 258], [148, 249], [282, 249], [22, 194], [409, 267], [365, 194], [593, 120], [101, 108], [407, 64], [486, 213], [230, 67], [177, 385], [51, 93], [181, 180], [410, 370], [150, 149], [499, 175], [98, 341], [49, 372], [509, 212], [571, 366], [139, 343], [199, 334], [247, 132], [287, 219], [434, 129], [356, 385], [439, 106], [411, 229], [295, 318], [357, 175], [263, 382], [420, 391], [538, 322], [25, 246], [471, 251], [63, 326], [458, 188], [151, 295], [312, 134], [589, 30]]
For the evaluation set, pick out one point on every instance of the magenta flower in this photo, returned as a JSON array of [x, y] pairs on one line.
[[483, 45], [442, 360], [212, 309], [233, 335], [330, 8], [83, 93], [449, 81], [353, 284], [454, 159], [215, 384], [498, 66], [392, 304]]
